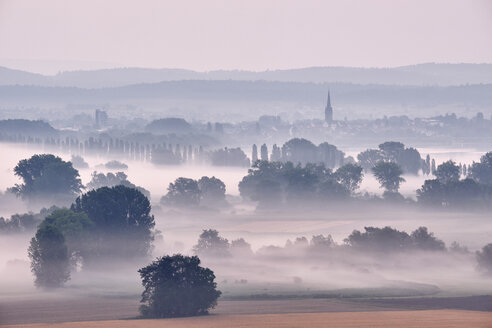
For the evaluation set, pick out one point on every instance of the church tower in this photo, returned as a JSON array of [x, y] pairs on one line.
[[328, 110]]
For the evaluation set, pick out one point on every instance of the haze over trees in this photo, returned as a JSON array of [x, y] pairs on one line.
[[388, 175], [50, 261], [47, 177]]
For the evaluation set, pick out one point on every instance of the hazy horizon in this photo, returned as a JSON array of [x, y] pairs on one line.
[[257, 36]]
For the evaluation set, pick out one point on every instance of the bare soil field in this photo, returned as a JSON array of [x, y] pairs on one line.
[[61, 309], [402, 319]]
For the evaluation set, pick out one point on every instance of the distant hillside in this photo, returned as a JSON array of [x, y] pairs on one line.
[[258, 91], [416, 75]]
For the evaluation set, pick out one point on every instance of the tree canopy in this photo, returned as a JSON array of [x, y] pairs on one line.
[[49, 256], [122, 221], [388, 175], [45, 176], [177, 286]]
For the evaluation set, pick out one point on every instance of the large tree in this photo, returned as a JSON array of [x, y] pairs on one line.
[[448, 172], [50, 262], [123, 224], [482, 171], [349, 176], [177, 286], [183, 192], [212, 190], [47, 176], [388, 175]]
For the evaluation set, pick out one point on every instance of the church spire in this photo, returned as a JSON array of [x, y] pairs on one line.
[[328, 110]]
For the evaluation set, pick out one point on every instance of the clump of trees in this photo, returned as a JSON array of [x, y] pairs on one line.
[[113, 179], [273, 183], [448, 191], [185, 192], [116, 165], [177, 286], [47, 177], [229, 157], [388, 239], [484, 259], [27, 222], [106, 223], [391, 151], [78, 162]]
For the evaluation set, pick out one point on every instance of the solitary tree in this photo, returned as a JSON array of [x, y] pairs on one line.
[[388, 175], [177, 286], [50, 261], [45, 176]]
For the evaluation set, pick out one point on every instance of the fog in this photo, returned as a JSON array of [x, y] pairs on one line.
[[270, 271]]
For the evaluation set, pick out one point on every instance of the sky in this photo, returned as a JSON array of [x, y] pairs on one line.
[[55, 35]]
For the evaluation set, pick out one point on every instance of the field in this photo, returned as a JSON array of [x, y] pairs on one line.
[[121, 312], [403, 319]]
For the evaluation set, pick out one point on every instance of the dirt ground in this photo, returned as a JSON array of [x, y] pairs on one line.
[[402, 319], [55, 309]]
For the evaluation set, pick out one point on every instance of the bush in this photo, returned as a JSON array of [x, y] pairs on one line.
[[177, 286]]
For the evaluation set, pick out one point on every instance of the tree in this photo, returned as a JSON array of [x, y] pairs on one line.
[[113, 179], [388, 175], [350, 176], [299, 151], [423, 240], [484, 258], [447, 172], [229, 157], [482, 172], [384, 239], [212, 190], [368, 158], [47, 175], [75, 228], [264, 152], [123, 225], [177, 286], [254, 154], [183, 192], [49, 258], [211, 244]]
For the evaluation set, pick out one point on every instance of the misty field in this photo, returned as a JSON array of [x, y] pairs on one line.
[[404, 319]]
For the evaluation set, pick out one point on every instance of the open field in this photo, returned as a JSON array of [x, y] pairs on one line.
[[402, 319], [54, 310]]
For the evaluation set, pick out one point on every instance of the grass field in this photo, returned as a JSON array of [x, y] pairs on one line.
[[401, 319]]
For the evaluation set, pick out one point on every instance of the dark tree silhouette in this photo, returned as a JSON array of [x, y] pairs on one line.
[[122, 221], [177, 286], [46, 176], [484, 259], [50, 262], [349, 176], [447, 172], [388, 175], [482, 172]]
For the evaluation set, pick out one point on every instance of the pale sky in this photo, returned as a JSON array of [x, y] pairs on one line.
[[52, 35]]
